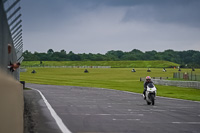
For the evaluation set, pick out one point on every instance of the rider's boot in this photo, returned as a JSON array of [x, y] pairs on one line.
[[144, 96]]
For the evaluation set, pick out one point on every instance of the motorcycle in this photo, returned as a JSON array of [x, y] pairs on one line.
[[150, 94]]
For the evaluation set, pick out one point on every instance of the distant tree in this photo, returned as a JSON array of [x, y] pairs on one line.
[[27, 55], [130, 56], [196, 60], [190, 57], [136, 51], [42, 56], [114, 55], [50, 51], [135, 54], [70, 52], [74, 57], [117, 54], [151, 55], [63, 51]]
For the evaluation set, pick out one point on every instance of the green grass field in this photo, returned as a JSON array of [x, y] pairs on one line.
[[113, 64], [111, 78]]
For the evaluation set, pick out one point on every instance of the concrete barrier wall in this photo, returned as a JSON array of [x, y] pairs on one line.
[[5, 39], [11, 93], [189, 84], [11, 104]]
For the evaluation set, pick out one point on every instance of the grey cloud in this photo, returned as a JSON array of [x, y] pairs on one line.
[[185, 12], [178, 12], [102, 25], [164, 11]]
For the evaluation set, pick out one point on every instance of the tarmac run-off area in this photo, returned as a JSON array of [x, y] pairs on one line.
[[97, 110]]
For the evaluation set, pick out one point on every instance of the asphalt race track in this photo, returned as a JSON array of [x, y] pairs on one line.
[[96, 110]]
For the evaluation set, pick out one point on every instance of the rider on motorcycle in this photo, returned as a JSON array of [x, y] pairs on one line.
[[148, 80]]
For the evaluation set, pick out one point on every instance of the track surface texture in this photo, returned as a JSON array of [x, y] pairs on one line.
[[37, 118], [96, 110]]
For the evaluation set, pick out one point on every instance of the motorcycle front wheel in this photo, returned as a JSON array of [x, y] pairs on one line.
[[148, 103], [152, 99], [153, 102]]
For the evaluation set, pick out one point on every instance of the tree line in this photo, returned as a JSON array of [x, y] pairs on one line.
[[189, 58]]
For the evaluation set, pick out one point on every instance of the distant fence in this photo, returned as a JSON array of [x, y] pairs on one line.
[[160, 78], [187, 76], [71, 66], [22, 70], [189, 84]]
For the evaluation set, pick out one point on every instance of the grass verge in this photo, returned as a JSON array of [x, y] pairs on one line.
[[27, 89], [113, 78], [113, 64]]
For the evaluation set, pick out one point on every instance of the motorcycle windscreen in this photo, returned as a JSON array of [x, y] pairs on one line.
[[150, 85]]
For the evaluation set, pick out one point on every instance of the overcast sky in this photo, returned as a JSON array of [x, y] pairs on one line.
[[97, 26]]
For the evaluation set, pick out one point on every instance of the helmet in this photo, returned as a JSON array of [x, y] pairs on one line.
[[148, 78]]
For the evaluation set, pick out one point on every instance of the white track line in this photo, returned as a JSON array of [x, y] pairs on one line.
[[186, 123], [58, 120], [160, 96], [156, 96]]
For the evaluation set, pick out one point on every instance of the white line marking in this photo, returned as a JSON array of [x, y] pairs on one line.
[[186, 122], [178, 99], [126, 119], [140, 94], [58, 120], [160, 97], [158, 110], [108, 114]]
